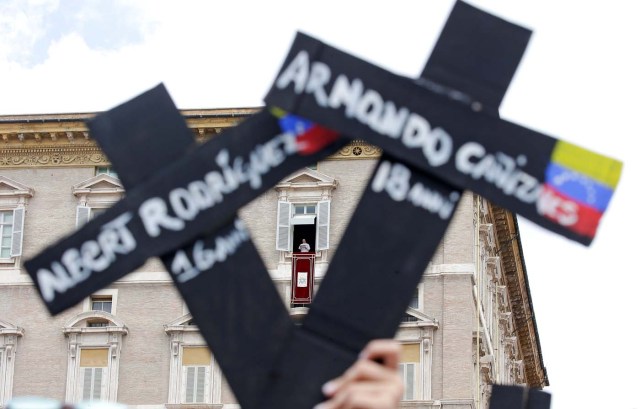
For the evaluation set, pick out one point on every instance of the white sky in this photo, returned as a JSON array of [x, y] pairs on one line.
[[578, 81]]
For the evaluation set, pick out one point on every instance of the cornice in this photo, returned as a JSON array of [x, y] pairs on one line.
[[57, 140], [515, 273]]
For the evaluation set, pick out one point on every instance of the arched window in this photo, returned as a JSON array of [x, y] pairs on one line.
[[93, 356]]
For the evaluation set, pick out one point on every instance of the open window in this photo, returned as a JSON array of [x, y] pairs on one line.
[[304, 211], [303, 223]]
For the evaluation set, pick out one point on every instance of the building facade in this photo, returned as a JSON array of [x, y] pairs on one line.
[[470, 324]]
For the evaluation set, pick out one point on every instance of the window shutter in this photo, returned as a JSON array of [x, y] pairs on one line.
[[408, 373], [190, 383], [16, 236], [97, 383], [200, 384], [324, 213], [83, 214], [86, 383], [283, 227]]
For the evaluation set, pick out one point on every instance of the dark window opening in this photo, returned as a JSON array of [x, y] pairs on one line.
[[307, 232]]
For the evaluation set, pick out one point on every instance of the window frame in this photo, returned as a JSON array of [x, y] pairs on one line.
[[418, 373], [82, 337], [103, 378], [98, 192], [423, 338], [102, 300], [181, 336], [403, 370], [9, 336], [106, 170], [14, 199], [4, 226], [207, 386], [304, 187], [107, 293]]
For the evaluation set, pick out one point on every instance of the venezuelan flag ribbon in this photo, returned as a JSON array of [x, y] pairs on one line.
[[584, 182], [310, 137]]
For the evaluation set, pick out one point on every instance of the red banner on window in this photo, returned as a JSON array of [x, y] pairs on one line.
[[302, 273]]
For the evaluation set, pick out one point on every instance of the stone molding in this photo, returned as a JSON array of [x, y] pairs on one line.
[[57, 140], [515, 273]]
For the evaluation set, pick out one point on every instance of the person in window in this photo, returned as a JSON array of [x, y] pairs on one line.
[[372, 382], [304, 246]]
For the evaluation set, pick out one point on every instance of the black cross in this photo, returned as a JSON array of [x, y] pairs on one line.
[[190, 205]]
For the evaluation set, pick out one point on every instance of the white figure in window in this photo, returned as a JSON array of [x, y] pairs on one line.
[[304, 246]]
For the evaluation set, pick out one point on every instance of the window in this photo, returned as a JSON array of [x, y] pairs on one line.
[[415, 304], [6, 233], [409, 369], [416, 357], [304, 212], [93, 361], [196, 374], [86, 213], [11, 228], [194, 378], [101, 303], [304, 209], [93, 373], [97, 323], [415, 299], [9, 335], [12, 215], [105, 300], [297, 221], [96, 195], [106, 170]]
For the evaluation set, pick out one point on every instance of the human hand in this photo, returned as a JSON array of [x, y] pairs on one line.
[[368, 384]]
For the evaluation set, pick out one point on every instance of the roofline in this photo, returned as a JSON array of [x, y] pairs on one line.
[[512, 258], [82, 116]]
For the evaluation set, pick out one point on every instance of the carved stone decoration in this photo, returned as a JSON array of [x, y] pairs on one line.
[[357, 150], [487, 238], [515, 279], [486, 369], [511, 347], [47, 156], [506, 322]]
